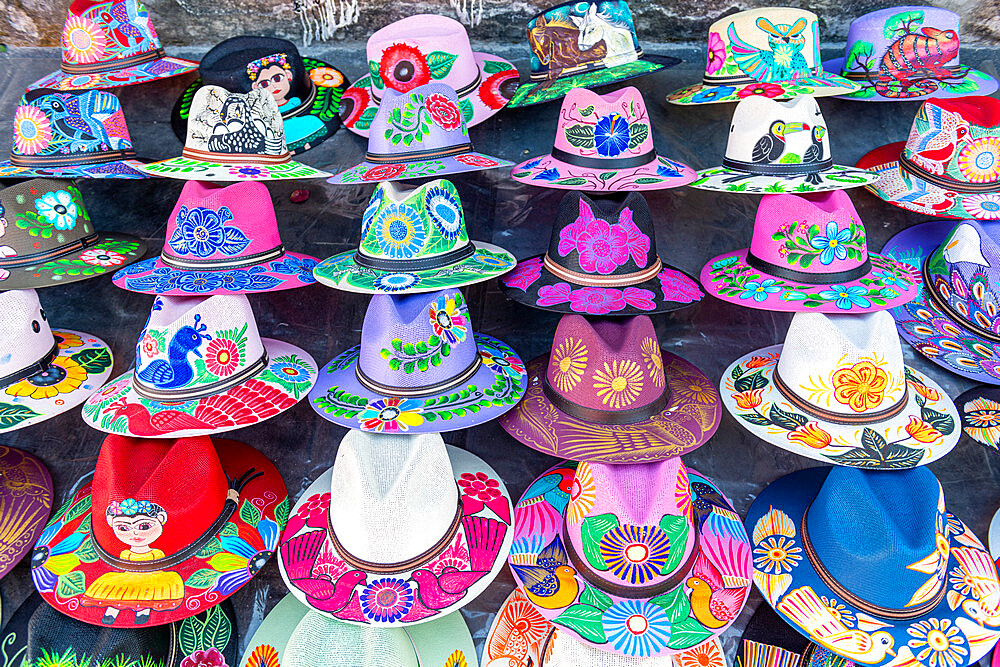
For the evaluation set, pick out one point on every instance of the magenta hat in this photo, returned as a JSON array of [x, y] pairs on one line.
[[809, 253], [608, 393], [220, 240], [640, 560]]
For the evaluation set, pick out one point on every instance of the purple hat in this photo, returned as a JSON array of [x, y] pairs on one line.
[[26, 495], [601, 261], [420, 368], [608, 393], [418, 134]]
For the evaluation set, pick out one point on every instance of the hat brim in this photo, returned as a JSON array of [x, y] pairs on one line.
[[824, 85], [302, 135], [776, 516], [69, 573], [934, 334], [886, 285], [369, 172], [883, 445], [973, 82], [485, 100], [599, 617], [980, 408], [538, 92], [484, 530], [152, 276], [343, 273], [85, 362], [115, 169], [837, 177], [493, 390], [185, 169], [532, 284], [110, 253], [163, 68], [289, 375], [548, 172], [26, 494], [692, 415]]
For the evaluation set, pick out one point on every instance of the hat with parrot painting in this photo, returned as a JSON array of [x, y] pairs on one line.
[[640, 560]]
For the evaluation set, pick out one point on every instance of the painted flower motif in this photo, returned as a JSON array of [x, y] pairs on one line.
[[550, 295], [635, 554], [652, 357], [395, 282], [353, 103], [678, 287], [776, 554], [692, 390], [243, 555], [982, 206], [399, 231], [83, 41], [222, 357], [846, 298], [497, 90], [58, 208], [596, 300], [938, 643], [99, 257], [748, 400], [264, 655], [313, 511], [582, 495], [383, 172], [479, 486], [456, 659], [636, 242], [210, 658], [639, 298], [289, 370], [387, 600], [66, 339], [637, 627], [199, 281], [498, 362], [861, 386], [326, 77], [61, 377], [443, 111], [611, 135], [810, 434], [524, 274], [391, 415], [601, 247], [568, 363], [923, 432], [889, 278], [706, 95], [445, 211], [248, 171], [716, 53], [32, 130], [203, 232], [839, 611], [832, 244], [619, 383], [706, 655], [448, 318], [758, 290], [473, 160], [762, 89], [403, 67], [979, 160]]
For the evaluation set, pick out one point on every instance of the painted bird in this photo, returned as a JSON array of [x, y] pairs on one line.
[[238, 129], [980, 574], [176, 371], [485, 538], [551, 583], [771, 146], [783, 62], [804, 608], [544, 503], [934, 147], [815, 151], [298, 555], [719, 592]]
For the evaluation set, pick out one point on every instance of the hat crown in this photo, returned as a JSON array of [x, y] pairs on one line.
[[98, 33], [40, 217], [765, 44], [228, 126], [320, 641], [963, 275], [870, 37], [582, 36], [956, 143], [245, 62], [434, 108], [775, 132], [615, 126], [25, 336]]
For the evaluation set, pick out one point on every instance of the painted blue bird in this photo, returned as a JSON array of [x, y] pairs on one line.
[[79, 118], [550, 583], [784, 61], [176, 372], [554, 487]]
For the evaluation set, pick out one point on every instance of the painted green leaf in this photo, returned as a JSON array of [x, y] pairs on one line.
[[94, 359], [213, 547], [638, 132], [754, 418], [587, 110], [12, 415], [197, 634], [364, 121], [494, 66], [596, 598], [786, 420], [675, 603], [594, 529], [585, 621], [686, 633], [580, 136], [71, 584], [575, 181], [941, 421], [468, 111], [903, 23], [79, 508], [87, 553], [755, 380], [676, 528], [230, 530], [203, 578], [440, 63], [648, 179]]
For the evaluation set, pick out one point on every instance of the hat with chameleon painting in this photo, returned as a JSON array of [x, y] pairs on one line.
[[769, 51]]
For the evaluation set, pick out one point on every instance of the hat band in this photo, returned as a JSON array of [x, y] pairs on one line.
[[461, 92], [423, 390], [18, 261], [909, 166], [580, 68], [70, 160], [417, 156], [960, 72], [602, 162], [607, 417], [305, 106], [837, 417], [770, 169], [946, 308], [614, 280], [32, 369], [184, 263], [420, 264], [202, 391], [834, 278], [235, 158], [710, 80], [114, 65]]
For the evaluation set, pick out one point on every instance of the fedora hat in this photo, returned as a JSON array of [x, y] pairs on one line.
[[413, 240], [233, 137], [220, 240], [601, 261], [26, 499], [109, 45], [769, 51], [583, 45], [604, 143], [840, 393], [641, 560], [166, 529], [949, 166], [44, 372], [872, 566], [201, 368], [779, 146], [980, 408], [420, 49], [307, 90], [420, 368], [48, 139], [417, 134], [608, 392], [907, 53], [402, 530], [809, 253]]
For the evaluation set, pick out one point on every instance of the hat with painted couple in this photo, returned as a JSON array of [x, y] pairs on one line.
[[420, 368], [201, 367], [403, 530], [837, 390], [166, 529], [414, 240], [770, 51], [779, 146], [426, 48], [307, 90], [907, 53], [220, 240], [872, 566], [608, 392], [949, 166], [809, 253], [27, 500], [604, 143]]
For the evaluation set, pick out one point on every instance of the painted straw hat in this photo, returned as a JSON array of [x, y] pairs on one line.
[[640, 560], [420, 368], [907, 53], [402, 530], [220, 240], [50, 139], [26, 495], [417, 134], [201, 368], [601, 261], [840, 393], [809, 253], [779, 146], [949, 166], [232, 137], [980, 408], [414, 240], [608, 393], [44, 373], [424, 48], [167, 529], [307, 90], [47, 238], [604, 143], [583, 45], [109, 45], [871, 566], [293, 635]]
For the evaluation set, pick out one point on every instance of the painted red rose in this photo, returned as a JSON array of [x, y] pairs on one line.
[[383, 172], [476, 160], [444, 112]]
